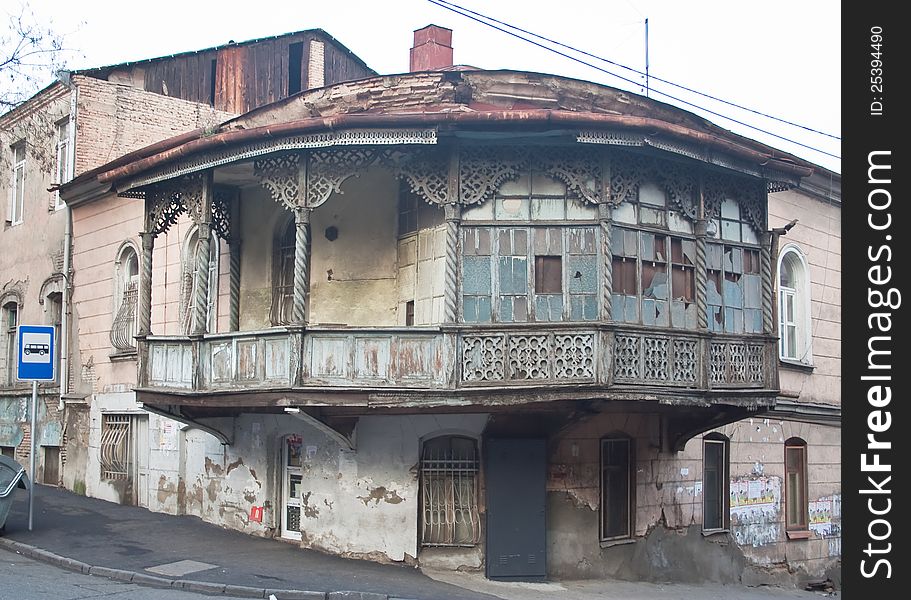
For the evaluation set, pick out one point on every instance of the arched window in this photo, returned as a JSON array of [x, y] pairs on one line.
[[126, 293], [188, 282], [795, 484], [793, 306], [10, 320], [715, 478], [449, 492], [618, 487]]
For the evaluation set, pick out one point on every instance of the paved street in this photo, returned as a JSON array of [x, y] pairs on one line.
[[135, 540], [22, 578]]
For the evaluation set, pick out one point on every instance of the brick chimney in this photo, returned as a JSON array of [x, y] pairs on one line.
[[432, 49]]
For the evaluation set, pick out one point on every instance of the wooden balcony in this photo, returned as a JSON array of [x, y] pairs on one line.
[[570, 357]]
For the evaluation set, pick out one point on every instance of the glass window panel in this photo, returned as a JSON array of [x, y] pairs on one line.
[[548, 209], [480, 212], [625, 213], [578, 211], [677, 222], [511, 209], [583, 274], [476, 275], [548, 308], [542, 185], [752, 291], [630, 243], [730, 209], [580, 240], [713, 254], [652, 194], [748, 235], [651, 216], [730, 230], [521, 186]]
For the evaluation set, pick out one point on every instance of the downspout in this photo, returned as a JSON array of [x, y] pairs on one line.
[[67, 257]]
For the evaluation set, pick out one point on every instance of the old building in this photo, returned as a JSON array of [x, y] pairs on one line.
[[486, 319], [86, 119]]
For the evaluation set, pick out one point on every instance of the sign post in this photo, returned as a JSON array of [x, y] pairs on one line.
[[35, 363]]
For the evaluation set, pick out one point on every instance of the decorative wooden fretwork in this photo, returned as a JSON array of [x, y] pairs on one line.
[[519, 357], [661, 359], [735, 363], [529, 357], [685, 361], [755, 367], [329, 168], [655, 358], [222, 200], [629, 171], [164, 205], [750, 194], [280, 175], [483, 169], [574, 357], [426, 172], [718, 363], [483, 358], [192, 190], [627, 357]]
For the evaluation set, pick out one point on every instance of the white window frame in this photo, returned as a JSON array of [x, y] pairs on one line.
[[64, 170], [16, 206], [799, 297]]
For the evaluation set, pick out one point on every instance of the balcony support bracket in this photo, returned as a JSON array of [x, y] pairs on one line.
[[347, 442], [223, 438]]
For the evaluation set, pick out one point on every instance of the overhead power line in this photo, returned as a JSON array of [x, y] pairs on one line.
[[494, 24]]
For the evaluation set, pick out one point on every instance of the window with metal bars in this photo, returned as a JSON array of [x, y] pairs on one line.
[[115, 448], [126, 294], [283, 277], [449, 492]]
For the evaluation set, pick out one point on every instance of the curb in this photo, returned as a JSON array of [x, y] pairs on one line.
[[202, 587]]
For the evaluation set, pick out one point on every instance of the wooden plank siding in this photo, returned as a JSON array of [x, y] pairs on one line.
[[247, 75]]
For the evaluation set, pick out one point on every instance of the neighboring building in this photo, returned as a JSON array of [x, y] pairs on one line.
[[466, 318], [86, 119]]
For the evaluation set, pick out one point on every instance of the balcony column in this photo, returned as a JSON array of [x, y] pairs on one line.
[[145, 285], [301, 265], [702, 317], [765, 271], [607, 258], [453, 215], [203, 219], [234, 285]]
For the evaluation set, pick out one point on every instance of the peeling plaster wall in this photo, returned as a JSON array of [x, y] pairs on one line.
[[353, 278], [95, 486], [362, 503], [668, 543], [366, 503]]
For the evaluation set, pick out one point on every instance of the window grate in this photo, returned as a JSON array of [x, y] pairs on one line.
[[124, 327], [116, 454], [449, 493]]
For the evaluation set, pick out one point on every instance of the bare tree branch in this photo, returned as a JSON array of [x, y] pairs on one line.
[[31, 53]]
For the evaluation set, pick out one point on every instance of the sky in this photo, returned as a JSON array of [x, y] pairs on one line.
[[778, 57]]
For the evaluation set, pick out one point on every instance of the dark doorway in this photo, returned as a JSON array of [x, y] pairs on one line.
[[51, 465], [516, 534]]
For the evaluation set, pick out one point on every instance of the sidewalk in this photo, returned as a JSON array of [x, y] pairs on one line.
[[124, 542]]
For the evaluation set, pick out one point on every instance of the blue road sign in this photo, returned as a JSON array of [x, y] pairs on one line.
[[36, 353]]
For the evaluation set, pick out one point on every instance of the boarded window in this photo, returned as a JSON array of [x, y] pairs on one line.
[[548, 275], [795, 491], [449, 492], [715, 482], [616, 488]]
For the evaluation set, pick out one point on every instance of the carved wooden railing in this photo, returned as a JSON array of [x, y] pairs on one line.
[[620, 356]]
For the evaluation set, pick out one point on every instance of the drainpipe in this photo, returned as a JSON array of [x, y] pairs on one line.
[[67, 258]]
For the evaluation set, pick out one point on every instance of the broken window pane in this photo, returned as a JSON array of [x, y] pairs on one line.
[[582, 272]]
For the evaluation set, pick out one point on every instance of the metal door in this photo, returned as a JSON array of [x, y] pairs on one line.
[[516, 534], [292, 475], [141, 451]]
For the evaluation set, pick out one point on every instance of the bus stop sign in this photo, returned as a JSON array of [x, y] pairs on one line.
[[36, 353]]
